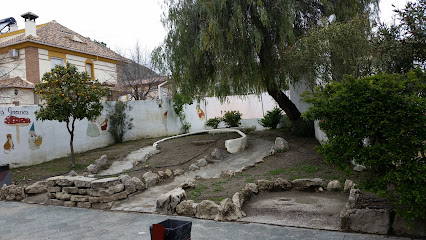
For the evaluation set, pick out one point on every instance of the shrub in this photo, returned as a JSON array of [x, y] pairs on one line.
[[272, 118], [214, 122], [179, 101], [119, 121], [303, 128], [379, 122], [232, 118]]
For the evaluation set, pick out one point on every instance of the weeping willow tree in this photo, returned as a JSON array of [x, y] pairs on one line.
[[224, 47]]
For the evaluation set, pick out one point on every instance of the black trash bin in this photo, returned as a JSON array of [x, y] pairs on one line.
[[173, 230]]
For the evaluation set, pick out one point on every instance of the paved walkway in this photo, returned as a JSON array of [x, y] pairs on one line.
[[26, 221]]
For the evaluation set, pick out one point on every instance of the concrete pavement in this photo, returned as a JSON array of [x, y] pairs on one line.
[[30, 221]]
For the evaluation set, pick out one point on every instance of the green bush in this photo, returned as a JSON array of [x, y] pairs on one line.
[[119, 121], [232, 118], [378, 122], [213, 122], [272, 118]]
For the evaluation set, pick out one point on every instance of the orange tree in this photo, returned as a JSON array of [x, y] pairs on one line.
[[68, 95]]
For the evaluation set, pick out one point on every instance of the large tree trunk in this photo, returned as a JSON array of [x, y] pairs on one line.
[[285, 104]]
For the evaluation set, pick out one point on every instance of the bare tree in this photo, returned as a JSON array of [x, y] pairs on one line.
[[137, 76]]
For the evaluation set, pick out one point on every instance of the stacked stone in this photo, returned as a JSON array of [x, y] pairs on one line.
[[86, 192]]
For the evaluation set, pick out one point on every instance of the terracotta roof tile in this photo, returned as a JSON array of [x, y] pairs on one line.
[[15, 82], [55, 34]]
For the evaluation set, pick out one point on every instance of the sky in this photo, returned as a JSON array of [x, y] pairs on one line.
[[121, 24]]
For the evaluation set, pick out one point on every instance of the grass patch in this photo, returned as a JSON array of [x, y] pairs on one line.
[[198, 191]]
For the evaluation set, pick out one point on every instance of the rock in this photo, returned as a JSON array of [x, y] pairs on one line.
[[227, 173], [357, 167], [51, 195], [186, 208], [178, 172], [83, 182], [69, 204], [167, 203], [82, 191], [150, 179], [187, 184], [105, 182], [54, 189], [100, 192], [281, 145], [281, 184], [103, 206], [12, 193], [348, 185], [365, 220], [252, 187], [52, 180], [139, 185], [92, 168], [246, 193], [79, 198], [70, 189], [72, 173], [303, 184], [65, 181], [101, 162], [55, 202], [226, 211], [334, 186], [169, 173], [63, 196], [36, 188], [193, 167], [259, 161], [198, 177], [265, 185], [319, 189], [202, 162], [207, 209], [418, 229], [125, 179], [219, 154], [237, 201], [353, 197], [84, 205], [162, 174]]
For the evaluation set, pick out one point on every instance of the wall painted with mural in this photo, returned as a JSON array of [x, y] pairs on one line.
[[26, 141]]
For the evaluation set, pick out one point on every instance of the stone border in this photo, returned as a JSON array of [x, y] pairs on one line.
[[232, 145]]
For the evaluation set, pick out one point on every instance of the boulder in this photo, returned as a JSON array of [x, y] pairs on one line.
[[281, 145], [265, 185], [169, 173], [92, 169], [161, 174], [302, 184], [65, 181], [102, 162], [348, 185], [187, 184], [12, 193], [138, 184], [246, 193], [186, 208], [100, 192], [125, 179], [418, 228], [227, 211], [365, 220], [334, 186], [227, 173], [83, 182], [63, 196], [219, 154], [105, 182], [193, 167], [52, 180], [178, 172], [150, 179], [70, 189], [238, 202], [353, 197], [72, 173], [202, 162], [281, 184], [36, 188], [207, 209], [167, 202]]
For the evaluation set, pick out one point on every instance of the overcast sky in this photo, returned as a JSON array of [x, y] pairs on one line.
[[120, 24]]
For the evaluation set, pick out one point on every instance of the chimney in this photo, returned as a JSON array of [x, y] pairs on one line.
[[30, 25]]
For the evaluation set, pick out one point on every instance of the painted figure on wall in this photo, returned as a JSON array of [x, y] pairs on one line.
[[8, 146], [17, 122], [104, 125], [200, 113], [92, 129], [34, 140]]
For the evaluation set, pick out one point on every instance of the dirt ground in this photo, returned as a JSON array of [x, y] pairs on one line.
[[301, 161]]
